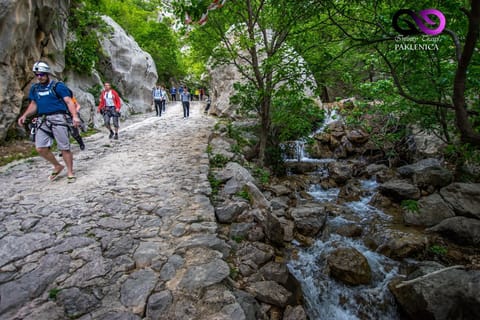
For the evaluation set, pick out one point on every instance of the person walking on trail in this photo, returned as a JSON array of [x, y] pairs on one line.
[[75, 132], [185, 98], [52, 102], [208, 102], [157, 100], [173, 93], [180, 91], [164, 98], [109, 107]]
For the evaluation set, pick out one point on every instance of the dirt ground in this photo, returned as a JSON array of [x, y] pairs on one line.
[[15, 150]]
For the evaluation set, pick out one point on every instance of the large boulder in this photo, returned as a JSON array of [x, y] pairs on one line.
[[309, 219], [451, 294], [349, 266], [397, 244], [130, 69], [431, 211], [399, 190], [427, 173], [462, 230], [464, 198]]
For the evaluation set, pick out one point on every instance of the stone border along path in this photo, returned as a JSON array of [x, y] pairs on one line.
[[134, 236]]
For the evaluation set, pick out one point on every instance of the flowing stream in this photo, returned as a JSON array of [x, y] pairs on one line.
[[329, 299], [325, 297]]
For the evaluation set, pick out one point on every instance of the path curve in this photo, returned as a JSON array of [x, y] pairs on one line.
[[134, 236]]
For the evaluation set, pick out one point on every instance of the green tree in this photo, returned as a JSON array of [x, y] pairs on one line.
[[441, 83], [254, 36]]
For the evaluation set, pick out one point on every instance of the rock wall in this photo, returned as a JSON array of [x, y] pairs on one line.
[[34, 30], [127, 67], [28, 30]]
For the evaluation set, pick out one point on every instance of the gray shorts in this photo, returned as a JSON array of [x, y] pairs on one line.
[[110, 113], [51, 127]]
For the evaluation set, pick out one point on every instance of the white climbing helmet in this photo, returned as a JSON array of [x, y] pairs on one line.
[[41, 66]]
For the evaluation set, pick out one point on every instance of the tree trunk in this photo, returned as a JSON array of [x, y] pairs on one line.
[[467, 132]]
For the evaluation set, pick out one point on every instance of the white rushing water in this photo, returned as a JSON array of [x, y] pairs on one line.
[[329, 299], [297, 152]]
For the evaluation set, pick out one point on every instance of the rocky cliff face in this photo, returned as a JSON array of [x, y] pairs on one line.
[[34, 30], [129, 68], [28, 30]]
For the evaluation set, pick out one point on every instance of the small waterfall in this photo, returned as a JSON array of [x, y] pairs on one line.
[[329, 299], [294, 151]]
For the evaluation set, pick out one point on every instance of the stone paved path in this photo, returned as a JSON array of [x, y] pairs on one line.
[[134, 237]]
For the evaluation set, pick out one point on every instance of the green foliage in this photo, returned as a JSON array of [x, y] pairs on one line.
[[238, 239], [83, 50], [214, 184], [209, 149], [53, 293], [218, 161], [410, 205], [18, 156], [261, 174], [234, 273], [247, 97], [463, 155], [294, 115], [244, 194], [438, 250]]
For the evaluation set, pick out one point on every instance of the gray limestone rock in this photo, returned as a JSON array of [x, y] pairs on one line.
[[15, 247], [158, 303], [201, 276], [270, 292], [137, 288], [34, 283], [76, 302]]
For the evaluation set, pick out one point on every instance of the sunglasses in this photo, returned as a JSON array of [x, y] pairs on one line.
[[40, 74]]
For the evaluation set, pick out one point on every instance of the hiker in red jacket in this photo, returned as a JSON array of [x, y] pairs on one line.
[[109, 107]]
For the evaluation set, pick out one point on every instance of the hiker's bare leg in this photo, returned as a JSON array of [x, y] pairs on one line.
[[68, 158], [50, 157]]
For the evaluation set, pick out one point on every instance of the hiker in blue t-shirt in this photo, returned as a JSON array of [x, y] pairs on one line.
[[53, 104], [173, 93]]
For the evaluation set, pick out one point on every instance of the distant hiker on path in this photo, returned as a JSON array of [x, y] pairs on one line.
[[173, 93], [157, 100], [185, 98], [208, 103], [164, 97], [54, 106], [109, 107]]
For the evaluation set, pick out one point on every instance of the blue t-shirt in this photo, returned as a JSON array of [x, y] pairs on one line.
[[47, 101], [173, 90]]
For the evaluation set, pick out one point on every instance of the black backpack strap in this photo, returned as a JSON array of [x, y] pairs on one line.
[[54, 89]]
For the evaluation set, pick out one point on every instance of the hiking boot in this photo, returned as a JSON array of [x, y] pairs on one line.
[[82, 146], [116, 136], [111, 135]]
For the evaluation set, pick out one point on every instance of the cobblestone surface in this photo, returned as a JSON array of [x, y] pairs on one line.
[[134, 237]]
